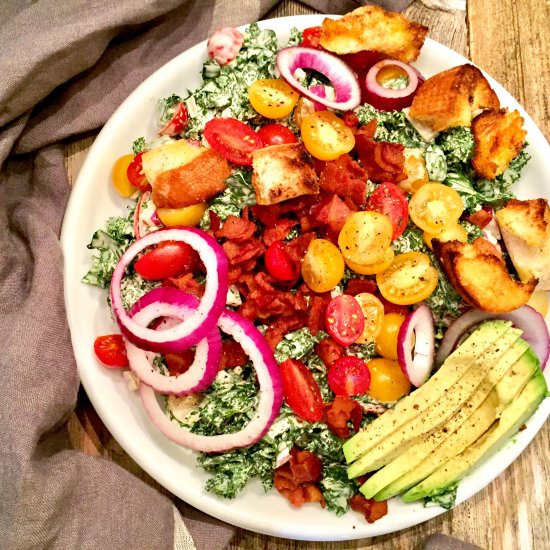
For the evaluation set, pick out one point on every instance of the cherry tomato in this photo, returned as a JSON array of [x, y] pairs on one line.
[[279, 263], [303, 108], [348, 376], [388, 199], [176, 125], [322, 266], [111, 351], [276, 134], [453, 232], [344, 319], [301, 391], [310, 37], [434, 207], [374, 268], [188, 215], [232, 139], [388, 383], [373, 312], [135, 174], [120, 176], [326, 136], [272, 97], [168, 259], [410, 279], [178, 363], [386, 341]]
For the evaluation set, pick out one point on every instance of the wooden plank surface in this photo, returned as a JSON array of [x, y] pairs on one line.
[[510, 40]]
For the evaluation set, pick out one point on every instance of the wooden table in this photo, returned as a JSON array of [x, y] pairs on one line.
[[509, 39]]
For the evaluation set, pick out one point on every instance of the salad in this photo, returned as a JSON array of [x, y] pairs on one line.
[[316, 321]]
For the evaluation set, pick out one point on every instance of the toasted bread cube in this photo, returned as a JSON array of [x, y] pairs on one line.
[[372, 28], [282, 172], [525, 227], [167, 156], [452, 98], [499, 137], [478, 273]]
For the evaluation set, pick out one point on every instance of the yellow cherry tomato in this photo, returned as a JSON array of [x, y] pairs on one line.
[[303, 108], [374, 268], [272, 98], [188, 215], [387, 381], [322, 266], [410, 279], [434, 207], [386, 341], [119, 176], [373, 310], [326, 136], [365, 237], [539, 302], [454, 232]]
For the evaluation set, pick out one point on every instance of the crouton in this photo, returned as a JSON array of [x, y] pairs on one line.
[[197, 181], [452, 98], [167, 156], [478, 273], [372, 28], [525, 227], [499, 137], [283, 172]]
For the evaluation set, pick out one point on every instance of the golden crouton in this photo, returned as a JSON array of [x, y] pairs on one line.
[[452, 98], [167, 156], [199, 180], [525, 227], [283, 172], [478, 273], [372, 28], [499, 137]]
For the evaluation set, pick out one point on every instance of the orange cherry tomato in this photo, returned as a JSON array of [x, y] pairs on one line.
[[322, 266], [386, 341], [326, 136], [388, 382], [120, 176], [373, 311], [272, 97]]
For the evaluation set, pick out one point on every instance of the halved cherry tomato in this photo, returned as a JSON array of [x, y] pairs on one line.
[[373, 311], [111, 351], [435, 206], [135, 174], [453, 232], [386, 341], [276, 134], [344, 319], [326, 136], [176, 125], [279, 263], [301, 391], [272, 97], [188, 215], [349, 375], [322, 266], [374, 268], [388, 199], [120, 176], [168, 259], [388, 383], [232, 139], [178, 363], [310, 37], [410, 279]]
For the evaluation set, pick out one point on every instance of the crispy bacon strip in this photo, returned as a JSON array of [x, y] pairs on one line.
[[371, 509]]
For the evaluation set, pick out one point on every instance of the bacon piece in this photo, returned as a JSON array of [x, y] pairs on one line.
[[279, 327], [316, 316], [481, 218], [178, 363], [297, 247], [328, 350], [233, 355], [383, 161], [305, 466], [370, 508], [187, 283], [357, 286], [339, 412], [237, 253], [332, 212], [236, 229], [215, 221], [345, 177], [279, 231], [392, 308], [270, 214]]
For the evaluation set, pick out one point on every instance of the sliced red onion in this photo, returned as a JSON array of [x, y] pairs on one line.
[[206, 363], [145, 216], [342, 78], [319, 90], [270, 394], [417, 360], [526, 318], [195, 327], [389, 99]]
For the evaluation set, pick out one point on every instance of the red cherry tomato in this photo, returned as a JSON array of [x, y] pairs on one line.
[[276, 134], [178, 363], [301, 392], [349, 375], [362, 61], [168, 259], [279, 264], [232, 139], [111, 351], [388, 199], [351, 120], [344, 319], [310, 37], [176, 125], [135, 174]]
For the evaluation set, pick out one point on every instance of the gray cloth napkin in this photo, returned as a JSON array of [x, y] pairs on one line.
[[66, 66]]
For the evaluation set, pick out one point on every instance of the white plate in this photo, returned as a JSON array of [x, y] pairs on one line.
[[94, 199]]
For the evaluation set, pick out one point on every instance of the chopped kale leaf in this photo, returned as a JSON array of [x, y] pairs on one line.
[[139, 145], [337, 488], [444, 499]]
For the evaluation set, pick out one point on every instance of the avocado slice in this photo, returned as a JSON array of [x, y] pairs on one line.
[[504, 352], [477, 413], [454, 367], [513, 417]]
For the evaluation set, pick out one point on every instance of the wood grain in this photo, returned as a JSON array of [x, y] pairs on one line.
[[509, 42]]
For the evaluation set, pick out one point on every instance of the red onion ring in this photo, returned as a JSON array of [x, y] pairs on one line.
[[526, 318], [195, 327], [417, 363], [145, 223], [206, 363]]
